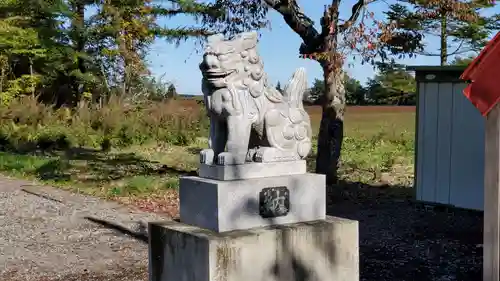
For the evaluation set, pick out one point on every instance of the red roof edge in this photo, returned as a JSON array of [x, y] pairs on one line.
[[467, 74]]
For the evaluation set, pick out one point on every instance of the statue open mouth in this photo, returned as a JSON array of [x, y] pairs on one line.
[[216, 75]]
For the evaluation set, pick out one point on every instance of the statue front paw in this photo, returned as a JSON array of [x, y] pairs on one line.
[[272, 154], [263, 154], [207, 156], [225, 158], [251, 154]]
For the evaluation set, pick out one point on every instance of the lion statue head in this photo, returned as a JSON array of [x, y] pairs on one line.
[[233, 62]]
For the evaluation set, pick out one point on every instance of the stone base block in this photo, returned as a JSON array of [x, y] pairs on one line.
[[252, 170], [324, 250], [242, 204]]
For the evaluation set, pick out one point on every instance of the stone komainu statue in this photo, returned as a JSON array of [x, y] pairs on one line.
[[253, 120]]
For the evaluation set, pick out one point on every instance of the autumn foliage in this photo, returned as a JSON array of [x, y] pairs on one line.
[[360, 39]]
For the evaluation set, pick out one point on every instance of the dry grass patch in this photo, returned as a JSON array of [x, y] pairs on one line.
[[143, 169]]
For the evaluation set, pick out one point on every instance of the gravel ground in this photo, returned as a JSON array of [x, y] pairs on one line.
[[50, 234], [399, 241]]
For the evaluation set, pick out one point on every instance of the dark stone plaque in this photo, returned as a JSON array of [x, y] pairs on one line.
[[274, 202]]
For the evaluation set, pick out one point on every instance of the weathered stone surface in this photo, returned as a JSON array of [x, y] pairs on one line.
[[324, 250], [252, 170], [249, 117], [231, 205]]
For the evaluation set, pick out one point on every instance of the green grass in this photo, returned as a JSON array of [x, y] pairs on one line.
[[380, 159], [378, 149], [112, 174]]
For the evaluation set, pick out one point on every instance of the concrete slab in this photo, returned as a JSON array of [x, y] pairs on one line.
[[252, 170], [242, 204], [324, 250]]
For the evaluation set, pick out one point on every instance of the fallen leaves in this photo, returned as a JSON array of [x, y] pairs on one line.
[[165, 204]]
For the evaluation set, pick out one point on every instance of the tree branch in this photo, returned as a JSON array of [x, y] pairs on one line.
[[330, 19], [458, 48], [189, 8], [355, 12], [456, 52], [313, 40], [296, 19]]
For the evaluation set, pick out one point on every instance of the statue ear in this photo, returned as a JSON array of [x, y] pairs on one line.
[[250, 35], [248, 39], [213, 39]]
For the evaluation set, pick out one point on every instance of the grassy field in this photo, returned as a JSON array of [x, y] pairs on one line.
[[378, 150]]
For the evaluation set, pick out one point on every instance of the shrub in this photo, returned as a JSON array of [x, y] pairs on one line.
[[26, 124]]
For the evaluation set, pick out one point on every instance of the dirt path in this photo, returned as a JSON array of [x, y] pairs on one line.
[[50, 234]]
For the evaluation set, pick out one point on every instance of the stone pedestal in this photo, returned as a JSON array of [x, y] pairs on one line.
[[242, 204], [237, 223], [323, 250], [254, 213], [253, 170], [240, 226]]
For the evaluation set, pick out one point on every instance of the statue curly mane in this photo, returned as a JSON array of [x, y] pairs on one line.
[[237, 65]]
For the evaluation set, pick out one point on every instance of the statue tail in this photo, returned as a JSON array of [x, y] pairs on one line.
[[297, 85]]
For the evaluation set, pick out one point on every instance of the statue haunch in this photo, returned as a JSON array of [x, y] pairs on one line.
[[254, 121]]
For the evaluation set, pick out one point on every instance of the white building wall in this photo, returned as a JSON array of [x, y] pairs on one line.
[[450, 147]]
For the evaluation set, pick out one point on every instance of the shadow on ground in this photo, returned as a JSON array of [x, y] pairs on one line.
[[140, 234], [194, 150], [401, 240], [98, 166]]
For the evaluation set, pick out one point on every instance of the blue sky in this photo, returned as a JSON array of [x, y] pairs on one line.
[[278, 47]]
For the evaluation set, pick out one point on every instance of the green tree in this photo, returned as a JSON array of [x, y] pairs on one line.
[[61, 68], [463, 60], [316, 91], [392, 85], [120, 34], [354, 91], [101, 54], [375, 92], [22, 52], [460, 26], [171, 91]]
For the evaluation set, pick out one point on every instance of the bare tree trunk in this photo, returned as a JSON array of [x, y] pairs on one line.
[[1, 78], [443, 54], [31, 76], [77, 26], [331, 131], [324, 42]]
